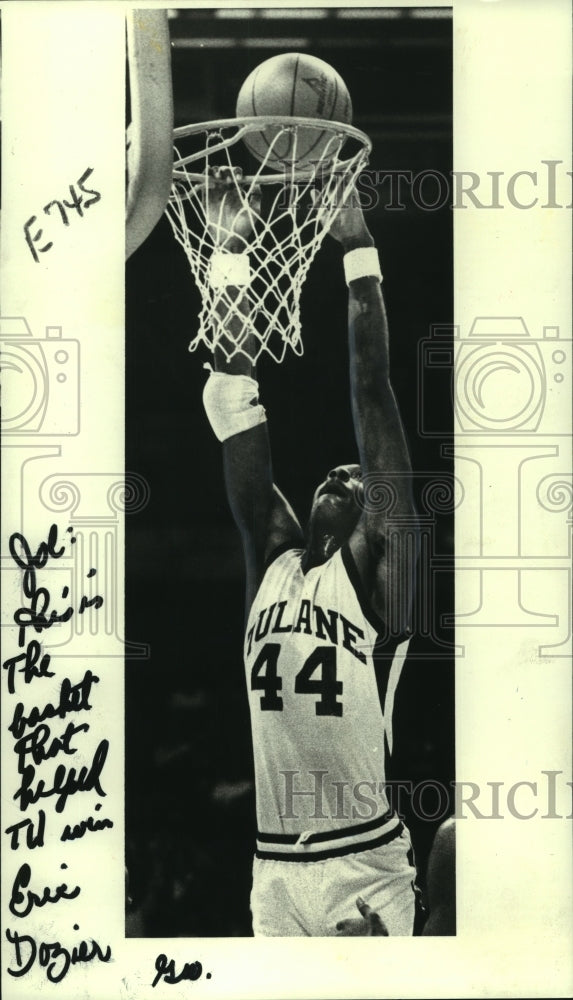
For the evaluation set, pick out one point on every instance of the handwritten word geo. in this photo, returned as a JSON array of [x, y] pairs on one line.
[[165, 969], [33, 233]]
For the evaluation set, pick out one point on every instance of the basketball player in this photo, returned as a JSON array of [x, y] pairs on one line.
[[328, 617]]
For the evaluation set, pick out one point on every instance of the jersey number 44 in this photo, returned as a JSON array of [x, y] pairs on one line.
[[317, 677]]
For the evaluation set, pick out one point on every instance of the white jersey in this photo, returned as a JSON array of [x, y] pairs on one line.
[[321, 678]]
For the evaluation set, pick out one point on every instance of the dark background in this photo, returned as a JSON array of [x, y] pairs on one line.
[[190, 813]]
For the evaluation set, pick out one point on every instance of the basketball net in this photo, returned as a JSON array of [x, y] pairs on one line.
[[289, 211]]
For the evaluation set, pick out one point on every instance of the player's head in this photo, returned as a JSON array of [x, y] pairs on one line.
[[337, 504]]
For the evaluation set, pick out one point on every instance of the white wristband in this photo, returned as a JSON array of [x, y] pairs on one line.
[[362, 263], [229, 269], [232, 404]]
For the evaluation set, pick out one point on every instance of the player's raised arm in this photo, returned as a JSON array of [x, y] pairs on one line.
[[384, 544], [263, 516]]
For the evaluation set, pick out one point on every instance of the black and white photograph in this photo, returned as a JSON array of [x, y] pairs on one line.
[[309, 461], [285, 349]]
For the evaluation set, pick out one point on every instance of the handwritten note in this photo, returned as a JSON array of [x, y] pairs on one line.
[[42, 732], [61, 208], [166, 971]]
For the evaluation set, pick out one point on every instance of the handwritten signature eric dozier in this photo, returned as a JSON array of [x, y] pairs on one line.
[[53, 956]]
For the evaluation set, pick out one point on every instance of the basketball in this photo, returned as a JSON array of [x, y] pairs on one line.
[[299, 85]]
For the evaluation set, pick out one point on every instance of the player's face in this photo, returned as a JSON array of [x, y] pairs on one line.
[[338, 499]]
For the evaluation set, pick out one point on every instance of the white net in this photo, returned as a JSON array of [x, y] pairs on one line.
[[278, 217]]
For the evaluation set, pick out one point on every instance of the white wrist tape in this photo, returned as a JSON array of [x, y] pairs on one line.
[[232, 404], [362, 263], [229, 269]]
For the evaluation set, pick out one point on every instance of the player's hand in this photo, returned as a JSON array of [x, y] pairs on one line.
[[230, 217], [348, 225], [371, 924]]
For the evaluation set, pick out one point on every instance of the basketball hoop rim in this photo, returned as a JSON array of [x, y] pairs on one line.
[[244, 125]]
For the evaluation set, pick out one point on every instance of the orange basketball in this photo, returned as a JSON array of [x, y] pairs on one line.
[[293, 84]]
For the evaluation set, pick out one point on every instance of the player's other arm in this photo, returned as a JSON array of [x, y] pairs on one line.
[[263, 516], [441, 882], [384, 545]]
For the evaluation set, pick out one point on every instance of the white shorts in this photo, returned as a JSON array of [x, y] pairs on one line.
[[308, 898]]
